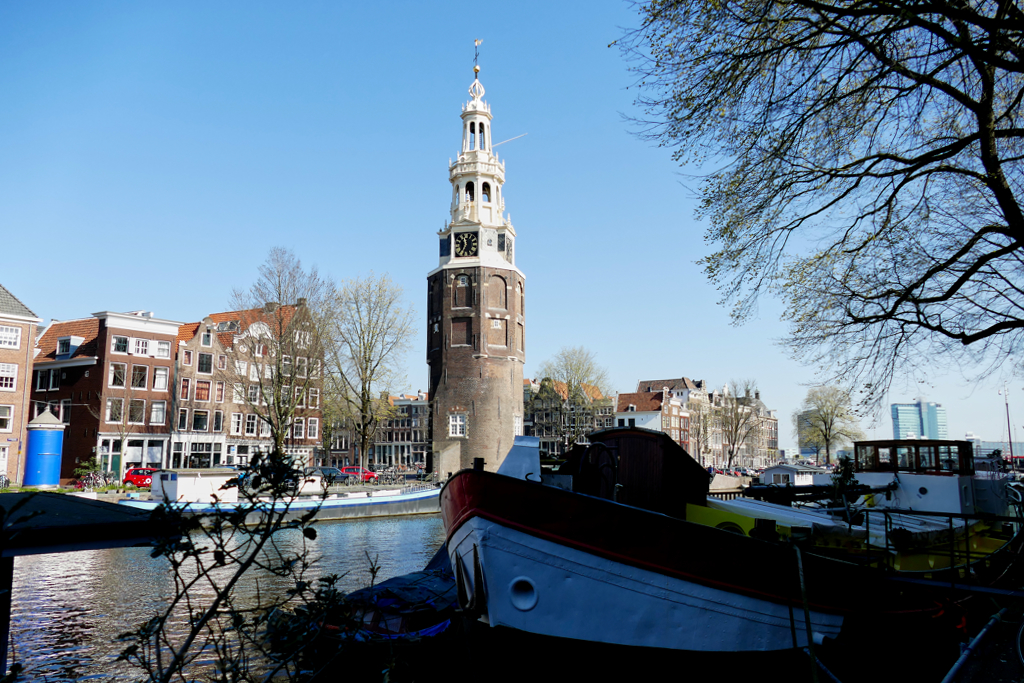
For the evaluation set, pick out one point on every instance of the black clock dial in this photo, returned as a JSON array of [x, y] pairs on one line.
[[466, 244]]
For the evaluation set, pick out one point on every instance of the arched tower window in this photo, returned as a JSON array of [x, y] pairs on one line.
[[457, 193], [483, 138], [485, 192], [497, 296], [470, 191], [472, 135]]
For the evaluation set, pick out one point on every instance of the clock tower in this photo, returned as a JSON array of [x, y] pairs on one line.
[[475, 325]]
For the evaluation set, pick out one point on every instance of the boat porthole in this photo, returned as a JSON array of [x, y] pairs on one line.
[[522, 593], [923, 491]]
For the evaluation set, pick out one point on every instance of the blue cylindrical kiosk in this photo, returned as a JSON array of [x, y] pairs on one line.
[[43, 449]]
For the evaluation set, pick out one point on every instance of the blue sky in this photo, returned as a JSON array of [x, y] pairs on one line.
[[152, 153]]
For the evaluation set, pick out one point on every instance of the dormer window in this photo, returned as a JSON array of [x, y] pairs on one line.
[[64, 346], [631, 408]]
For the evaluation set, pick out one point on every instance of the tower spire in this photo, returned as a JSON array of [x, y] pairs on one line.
[[476, 58]]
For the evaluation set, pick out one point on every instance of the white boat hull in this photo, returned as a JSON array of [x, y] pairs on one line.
[[541, 587]]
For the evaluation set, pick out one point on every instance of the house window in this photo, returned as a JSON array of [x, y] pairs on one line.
[[205, 363], [141, 347], [238, 394], [222, 362], [183, 419], [254, 394], [140, 376], [160, 379], [219, 397], [200, 420], [42, 380], [186, 358], [6, 418], [218, 421], [241, 367], [250, 425], [115, 408], [313, 398], [457, 424], [186, 386], [206, 339], [157, 412], [286, 366], [313, 428], [300, 397], [315, 371], [65, 411], [54, 379], [264, 428], [63, 345], [119, 344], [163, 349], [236, 424], [517, 425], [136, 411], [202, 390], [299, 428], [10, 337], [300, 366], [302, 338]]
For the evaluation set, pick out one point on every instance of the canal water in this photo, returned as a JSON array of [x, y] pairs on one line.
[[68, 609]]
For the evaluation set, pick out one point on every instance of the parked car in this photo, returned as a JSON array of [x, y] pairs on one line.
[[360, 473], [331, 475], [139, 476]]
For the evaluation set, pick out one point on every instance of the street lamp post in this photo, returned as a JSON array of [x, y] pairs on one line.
[[1009, 430]]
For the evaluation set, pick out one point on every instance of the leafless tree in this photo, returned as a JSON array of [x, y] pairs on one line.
[[576, 382], [368, 328], [701, 426], [740, 422], [276, 354], [863, 162]]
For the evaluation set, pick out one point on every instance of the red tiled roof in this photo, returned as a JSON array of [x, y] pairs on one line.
[[645, 402], [86, 328], [244, 318], [592, 392]]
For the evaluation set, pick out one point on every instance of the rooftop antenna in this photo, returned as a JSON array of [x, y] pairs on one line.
[[476, 58]]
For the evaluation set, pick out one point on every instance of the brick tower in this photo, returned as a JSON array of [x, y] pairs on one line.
[[475, 326]]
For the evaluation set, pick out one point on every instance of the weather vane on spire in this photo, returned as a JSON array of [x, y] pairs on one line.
[[476, 57]]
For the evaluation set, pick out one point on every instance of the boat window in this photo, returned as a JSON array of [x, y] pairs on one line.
[[947, 459], [905, 458], [865, 459], [926, 458], [884, 459]]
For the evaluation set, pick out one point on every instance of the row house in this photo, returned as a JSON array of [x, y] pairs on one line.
[[17, 334], [693, 395], [660, 411], [559, 420], [241, 375], [404, 439], [108, 378]]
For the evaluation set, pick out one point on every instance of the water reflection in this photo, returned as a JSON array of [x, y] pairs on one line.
[[68, 610]]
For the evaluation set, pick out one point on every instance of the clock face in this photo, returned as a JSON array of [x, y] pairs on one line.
[[466, 244]]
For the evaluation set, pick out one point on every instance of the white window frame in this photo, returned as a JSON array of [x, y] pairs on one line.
[[140, 347], [10, 337], [313, 428], [222, 362], [6, 416], [236, 424], [158, 373], [312, 397], [145, 378], [142, 412], [163, 349], [54, 379], [264, 428], [206, 339], [63, 345], [8, 375], [42, 380], [457, 424], [111, 402], [186, 358], [301, 366], [182, 419], [196, 413], [300, 397], [299, 428], [209, 391], [199, 358], [241, 367], [157, 412], [250, 425], [185, 388], [218, 392], [65, 411], [112, 373], [218, 422], [120, 337]]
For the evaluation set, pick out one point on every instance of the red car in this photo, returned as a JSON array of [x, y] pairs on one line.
[[360, 473], [139, 476]]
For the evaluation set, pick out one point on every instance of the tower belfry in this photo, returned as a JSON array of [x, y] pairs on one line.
[[475, 305]]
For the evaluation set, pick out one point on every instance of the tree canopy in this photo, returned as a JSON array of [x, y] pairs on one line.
[[865, 167], [827, 419], [578, 380]]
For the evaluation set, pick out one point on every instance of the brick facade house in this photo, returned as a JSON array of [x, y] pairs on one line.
[[17, 337], [108, 378]]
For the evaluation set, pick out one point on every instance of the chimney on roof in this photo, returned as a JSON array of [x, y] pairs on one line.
[[270, 306], [757, 394]]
